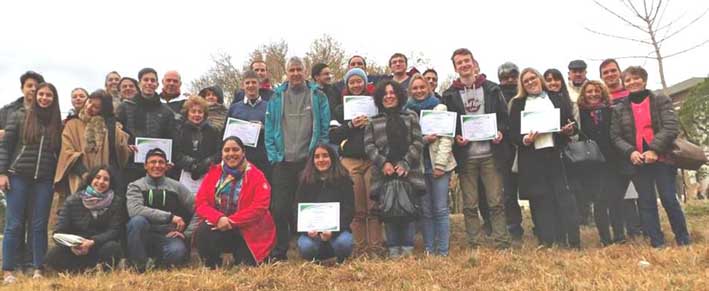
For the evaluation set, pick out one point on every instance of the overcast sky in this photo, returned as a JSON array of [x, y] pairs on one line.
[[75, 43]]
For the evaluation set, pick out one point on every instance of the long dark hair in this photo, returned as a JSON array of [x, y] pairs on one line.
[[92, 174], [106, 102], [556, 75], [311, 174], [38, 118]]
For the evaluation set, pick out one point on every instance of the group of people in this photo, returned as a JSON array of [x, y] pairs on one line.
[[388, 178]]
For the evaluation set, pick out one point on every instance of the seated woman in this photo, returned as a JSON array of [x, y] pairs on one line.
[[233, 201], [325, 180], [95, 213]]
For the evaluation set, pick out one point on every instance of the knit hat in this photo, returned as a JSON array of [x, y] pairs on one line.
[[506, 69], [356, 72]]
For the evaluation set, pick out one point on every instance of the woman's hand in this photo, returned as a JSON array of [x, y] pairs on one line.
[[650, 157], [4, 183], [401, 171], [498, 138], [530, 138], [568, 129], [224, 224], [430, 138], [437, 173], [360, 121], [461, 141], [325, 235], [312, 234], [133, 148], [388, 169], [637, 158]]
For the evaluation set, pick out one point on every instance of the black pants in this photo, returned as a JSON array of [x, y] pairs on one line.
[[212, 243], [631, 212], [602, 184], [62, 259], [554, 213], [284, 184]]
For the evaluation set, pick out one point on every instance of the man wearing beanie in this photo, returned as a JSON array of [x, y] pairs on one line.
[[323, 78]]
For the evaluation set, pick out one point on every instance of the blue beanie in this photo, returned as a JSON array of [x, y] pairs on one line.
[[356, 72]]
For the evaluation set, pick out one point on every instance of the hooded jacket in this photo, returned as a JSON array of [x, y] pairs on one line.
[[494, 103], [275, 147]]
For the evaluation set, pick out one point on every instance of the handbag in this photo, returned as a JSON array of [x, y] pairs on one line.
[[686, 155], [583, 152], [397, 202]]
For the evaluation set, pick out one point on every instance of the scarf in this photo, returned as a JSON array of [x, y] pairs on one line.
[[396, 135], [639, 96], [425, 104], [593, 108], [95, 132], [95, 201], [226, 196]]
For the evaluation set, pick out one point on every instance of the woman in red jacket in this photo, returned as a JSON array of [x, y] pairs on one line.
[[233, 203]]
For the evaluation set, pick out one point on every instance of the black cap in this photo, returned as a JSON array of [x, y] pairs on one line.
[[577, 65], [155, 152]]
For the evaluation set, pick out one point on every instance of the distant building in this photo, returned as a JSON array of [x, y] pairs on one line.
[[678, 92]]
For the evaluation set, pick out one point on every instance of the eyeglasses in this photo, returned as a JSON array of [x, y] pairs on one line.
[[530, 81]]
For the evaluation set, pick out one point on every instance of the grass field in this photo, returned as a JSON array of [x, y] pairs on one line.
[[524, 267]]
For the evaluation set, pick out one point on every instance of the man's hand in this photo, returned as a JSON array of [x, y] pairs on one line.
[[174, 234], [498, 138], [179, 223], [460, 141], [430, 138]]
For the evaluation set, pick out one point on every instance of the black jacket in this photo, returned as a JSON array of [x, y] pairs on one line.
[[146, 118], [494, 103], [196, 146], [339, 190], [8, 109], [600, 133], [664, 125], [349, 140], [532, 163], [37, 160], [334, 96], [74, 218]]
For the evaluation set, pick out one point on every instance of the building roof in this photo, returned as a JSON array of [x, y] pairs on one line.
[[682, 86]]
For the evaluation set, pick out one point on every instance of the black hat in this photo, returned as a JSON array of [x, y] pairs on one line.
[[577, 65], [155, 152]]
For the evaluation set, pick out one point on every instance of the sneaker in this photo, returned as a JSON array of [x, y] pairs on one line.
[[394, 252], [9, 279], [407, 251], [37, 274]]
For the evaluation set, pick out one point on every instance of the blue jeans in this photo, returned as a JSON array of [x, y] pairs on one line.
[[339, 246], [663, 176], [22, 191], [435, 222], [400, 234], [144, 242]]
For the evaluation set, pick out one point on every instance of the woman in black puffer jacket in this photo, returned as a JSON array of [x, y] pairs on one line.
[[96, 214], [197, 142], [28, 156]]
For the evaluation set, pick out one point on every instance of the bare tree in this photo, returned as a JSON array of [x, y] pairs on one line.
[[223, 74], [646, 18], [327, 50]]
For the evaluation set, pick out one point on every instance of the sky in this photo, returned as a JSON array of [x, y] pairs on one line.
[[75, 43]]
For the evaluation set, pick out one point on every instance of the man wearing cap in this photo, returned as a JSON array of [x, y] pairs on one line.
[[577, 76], [297, 119], [160, 209], [322, 76]]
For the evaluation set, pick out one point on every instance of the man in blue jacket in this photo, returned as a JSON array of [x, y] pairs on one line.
[[297, 119]]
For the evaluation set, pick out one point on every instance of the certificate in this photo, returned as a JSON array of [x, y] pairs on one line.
[[68, 240], [319, 216], [145, 144], [247, 131], [441, 123], [359, 105], [540, 121], [479, 127], [192, 185]]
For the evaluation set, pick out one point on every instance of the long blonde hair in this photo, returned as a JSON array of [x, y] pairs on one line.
[[521, 91], [605, 96]]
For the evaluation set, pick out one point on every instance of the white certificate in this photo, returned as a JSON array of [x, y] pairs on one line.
[[540, 121], [247, 131], [192, 185], [319, 216], [359, 105], [479, 127], [68, 240], [145, 144], [441, 123]]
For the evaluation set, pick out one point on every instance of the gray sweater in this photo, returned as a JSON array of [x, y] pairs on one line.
[[158, 200]]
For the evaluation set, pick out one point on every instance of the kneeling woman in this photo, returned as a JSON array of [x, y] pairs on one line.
[[233, 201], [325, 180], [95, 213]]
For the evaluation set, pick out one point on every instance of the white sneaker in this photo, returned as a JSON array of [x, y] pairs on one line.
[[9, 279], [37, 274]]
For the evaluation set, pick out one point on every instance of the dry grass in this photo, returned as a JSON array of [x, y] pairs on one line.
[[524, 267]]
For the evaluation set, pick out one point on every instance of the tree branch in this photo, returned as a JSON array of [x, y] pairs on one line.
[[686, 50], [620, 17], [618, 36], [684, 27]]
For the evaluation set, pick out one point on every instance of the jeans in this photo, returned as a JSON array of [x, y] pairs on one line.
[[284, 185], [435, 223], [400, 234], [144, 242], [62, 259], [485, 169], [339, 246], [212, 243], [22, 191], [663, 176]]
